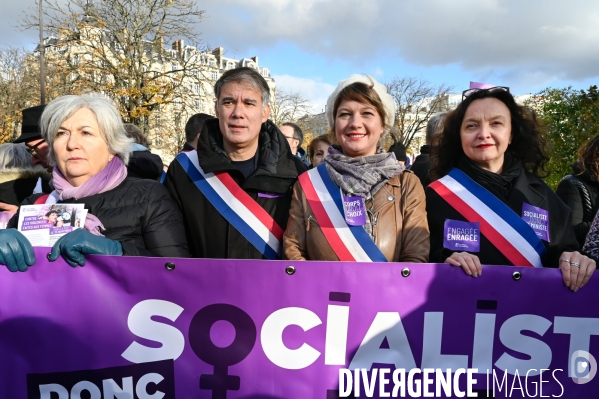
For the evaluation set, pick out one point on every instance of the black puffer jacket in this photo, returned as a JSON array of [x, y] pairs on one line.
[[209, 235], [145, 165], [140, 214], [572, 196]]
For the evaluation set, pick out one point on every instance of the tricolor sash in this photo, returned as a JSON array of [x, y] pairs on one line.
[[503, 227], [350, 243], [236, 206], [51, 198]]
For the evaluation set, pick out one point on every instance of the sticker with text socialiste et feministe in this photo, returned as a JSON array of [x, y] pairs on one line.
[[538, 219]]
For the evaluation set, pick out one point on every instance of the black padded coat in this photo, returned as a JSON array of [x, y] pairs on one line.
[[140, 214], [208, 233]]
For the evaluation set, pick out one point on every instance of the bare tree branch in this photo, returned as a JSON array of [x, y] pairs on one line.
[[416, 100], [288, 106]]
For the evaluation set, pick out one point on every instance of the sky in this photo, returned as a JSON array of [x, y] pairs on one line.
[[310, 45]]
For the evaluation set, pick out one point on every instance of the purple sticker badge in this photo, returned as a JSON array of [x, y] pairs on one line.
[[461, 236], [355, 212], [270, 195], [538, 219]]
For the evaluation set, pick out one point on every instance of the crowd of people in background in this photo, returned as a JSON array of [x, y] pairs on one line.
[[244, 188]]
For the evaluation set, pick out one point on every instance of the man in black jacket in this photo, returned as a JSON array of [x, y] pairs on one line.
[[243, 144], [193, 128]]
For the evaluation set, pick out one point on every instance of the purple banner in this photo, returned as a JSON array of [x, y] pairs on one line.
[[281, 329], [480, 85]]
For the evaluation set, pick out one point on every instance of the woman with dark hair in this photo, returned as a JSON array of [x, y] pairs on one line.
[[580, 189], [52, 217], [360, 204], [488, 204], [318, 149]]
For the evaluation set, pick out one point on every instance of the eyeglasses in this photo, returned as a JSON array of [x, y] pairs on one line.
[[31, 150], [289, 137], [468, 92]]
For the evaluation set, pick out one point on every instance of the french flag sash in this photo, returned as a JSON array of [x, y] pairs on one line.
[[504, 228], [236, 206], [350, 243], [51, 198]]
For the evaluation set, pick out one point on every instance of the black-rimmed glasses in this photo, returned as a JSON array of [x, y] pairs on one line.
[[466, 93], [31, 150]]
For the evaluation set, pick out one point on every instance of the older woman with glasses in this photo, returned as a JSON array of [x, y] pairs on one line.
[[126, 216], [488, 204]]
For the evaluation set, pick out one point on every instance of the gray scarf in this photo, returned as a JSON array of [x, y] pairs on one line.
[[362, 176]]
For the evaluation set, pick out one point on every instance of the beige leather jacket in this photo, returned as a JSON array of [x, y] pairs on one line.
[[398, 218]]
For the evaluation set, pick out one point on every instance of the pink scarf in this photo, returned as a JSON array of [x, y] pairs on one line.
[[107, 179]]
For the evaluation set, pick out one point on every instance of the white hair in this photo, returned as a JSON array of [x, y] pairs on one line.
[[14, 157], [107, 116]]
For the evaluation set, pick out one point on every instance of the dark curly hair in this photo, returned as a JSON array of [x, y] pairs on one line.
[[528, 141], [588, 158]]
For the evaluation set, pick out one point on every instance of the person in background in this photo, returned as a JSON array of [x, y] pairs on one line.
[[295, 138], [142, 163], [487, 203], [89, 150], [18, 178], [36, 147], [422, 164], [235, 191], [399, 150], [360, 204], [580, 189], [193, 127], [318, 149], [32, 137]]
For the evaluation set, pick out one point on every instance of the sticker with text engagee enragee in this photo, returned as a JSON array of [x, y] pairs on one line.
[[461, 236]]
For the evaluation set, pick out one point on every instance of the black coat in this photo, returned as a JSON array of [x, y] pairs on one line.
[[570, 194], [422, 164], [145, 165], [15, 185], [140, 214], [209, 235], [525, 188]]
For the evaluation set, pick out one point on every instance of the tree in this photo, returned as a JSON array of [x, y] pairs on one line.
[[416, 101], [570, 119], [18, 90], [117, 47], [288, 106]]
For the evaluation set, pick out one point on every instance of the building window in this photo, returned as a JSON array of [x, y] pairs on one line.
[[175, 66], [196, 88], [198, 104], [214, 76], [158, 139], [211, 62]]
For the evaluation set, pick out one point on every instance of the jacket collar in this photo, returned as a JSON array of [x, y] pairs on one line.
[[277, 169], [529, 188]]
